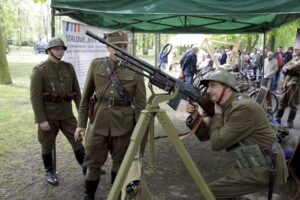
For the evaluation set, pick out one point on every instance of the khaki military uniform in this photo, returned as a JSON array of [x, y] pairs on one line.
[[291, 85], [58, 79], [112, 125], [243, 121]]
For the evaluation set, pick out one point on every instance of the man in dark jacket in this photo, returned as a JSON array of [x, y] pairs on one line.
[[189, 66], [288, 55]]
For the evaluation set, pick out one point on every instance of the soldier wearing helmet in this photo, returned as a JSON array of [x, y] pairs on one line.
[[239, 126], [53, 87], [119, 95]]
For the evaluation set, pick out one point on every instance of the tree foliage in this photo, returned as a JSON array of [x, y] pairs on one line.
[[25, 22], [4, 70]]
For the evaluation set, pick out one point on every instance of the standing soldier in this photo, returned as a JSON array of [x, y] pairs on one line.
[[119, 95], [53, 87], [291, 86], [239, 126]]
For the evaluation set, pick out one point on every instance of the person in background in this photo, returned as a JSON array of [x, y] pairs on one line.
[[255, 59], [291, 86], [238, 61], [270, 68], [280, 60], [53, 87], [163, 60], [288, 55], [189, 66]]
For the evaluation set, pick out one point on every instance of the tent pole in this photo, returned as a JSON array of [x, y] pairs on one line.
[[157, 48], [133, 44], [52, 22], [264, 42]]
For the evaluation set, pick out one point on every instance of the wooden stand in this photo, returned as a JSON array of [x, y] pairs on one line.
[[146, 122]]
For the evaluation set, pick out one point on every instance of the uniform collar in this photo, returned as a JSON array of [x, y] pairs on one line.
[[114, 64], [230, 100]]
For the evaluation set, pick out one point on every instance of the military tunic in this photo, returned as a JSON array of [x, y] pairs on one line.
[[243, 121], [112, 126], [54, 78], [291, 85]]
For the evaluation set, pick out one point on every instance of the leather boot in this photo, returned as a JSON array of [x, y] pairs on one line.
[[80, 155], [50, 173], [90, 189], [290, 121], [113, 176], [279, 115]]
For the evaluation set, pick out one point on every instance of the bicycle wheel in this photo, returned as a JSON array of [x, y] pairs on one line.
[[269, 106]]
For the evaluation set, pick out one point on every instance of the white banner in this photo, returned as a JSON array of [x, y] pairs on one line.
[[82, 49]]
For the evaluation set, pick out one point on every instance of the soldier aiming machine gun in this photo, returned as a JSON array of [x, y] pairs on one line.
[[161, 79]]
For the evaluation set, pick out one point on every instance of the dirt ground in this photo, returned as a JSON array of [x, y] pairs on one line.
[[168, 180]]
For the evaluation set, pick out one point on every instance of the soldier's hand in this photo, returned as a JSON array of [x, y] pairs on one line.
[[45, 126], [79, 134], [192, 108]]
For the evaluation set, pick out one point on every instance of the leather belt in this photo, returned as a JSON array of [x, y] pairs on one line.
[[112, 102]]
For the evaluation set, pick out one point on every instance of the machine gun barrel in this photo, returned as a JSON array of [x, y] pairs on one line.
[[162, 80]]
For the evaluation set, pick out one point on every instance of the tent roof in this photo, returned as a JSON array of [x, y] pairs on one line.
[[182, 16]]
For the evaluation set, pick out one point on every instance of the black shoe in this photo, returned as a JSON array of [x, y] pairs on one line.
[[90, 189], [51, 177], [83, 169]]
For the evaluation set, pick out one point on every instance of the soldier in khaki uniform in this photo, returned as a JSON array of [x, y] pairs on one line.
[[53, 87], [239, 126], [291, 86], [114, 115]]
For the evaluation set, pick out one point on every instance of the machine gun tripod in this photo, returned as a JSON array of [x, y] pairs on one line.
[[145, 123]]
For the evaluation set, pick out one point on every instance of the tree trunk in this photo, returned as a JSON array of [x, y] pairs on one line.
[[248, 43], [4, 70], [271, 43]]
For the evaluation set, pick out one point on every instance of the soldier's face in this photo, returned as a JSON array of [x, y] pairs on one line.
[[124, 47], [58, 52], [214, 90]]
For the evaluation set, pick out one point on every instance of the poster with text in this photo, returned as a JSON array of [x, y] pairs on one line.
[[82, 49]]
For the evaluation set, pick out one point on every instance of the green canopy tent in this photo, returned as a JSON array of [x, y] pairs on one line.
[[178, 16]]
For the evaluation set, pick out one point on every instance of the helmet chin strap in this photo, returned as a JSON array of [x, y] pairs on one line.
[[59, 59], [222, 95]]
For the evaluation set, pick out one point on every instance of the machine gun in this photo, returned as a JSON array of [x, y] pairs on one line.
[[161, 79]]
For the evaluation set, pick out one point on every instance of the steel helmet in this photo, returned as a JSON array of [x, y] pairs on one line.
[[222, 76], [56, 42]]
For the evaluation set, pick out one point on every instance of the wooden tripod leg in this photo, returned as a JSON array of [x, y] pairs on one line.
[[136, 140], [171, 131]]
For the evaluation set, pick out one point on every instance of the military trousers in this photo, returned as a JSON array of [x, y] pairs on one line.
[[97, 148], [290, 97], [67, 127], [239, 182]]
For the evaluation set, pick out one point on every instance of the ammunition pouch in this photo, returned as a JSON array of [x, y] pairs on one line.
[[248, 156], [59, 98]]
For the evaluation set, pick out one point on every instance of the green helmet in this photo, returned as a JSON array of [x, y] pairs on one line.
[[222, 76], [56, 42]]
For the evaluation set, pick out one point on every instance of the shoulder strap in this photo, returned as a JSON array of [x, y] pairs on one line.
[[115, 80]]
